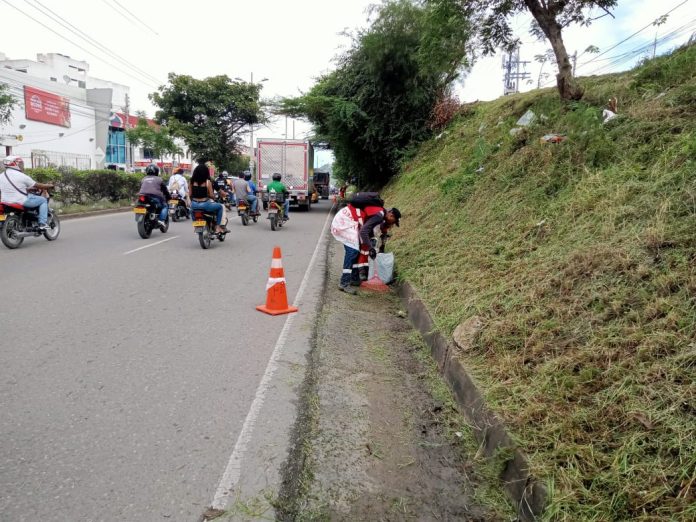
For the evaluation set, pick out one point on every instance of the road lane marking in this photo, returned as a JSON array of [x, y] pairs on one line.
[[150, 245], [233, 471]]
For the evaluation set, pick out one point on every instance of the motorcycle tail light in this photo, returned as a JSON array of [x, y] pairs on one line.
[[142, 199], [198, 215]]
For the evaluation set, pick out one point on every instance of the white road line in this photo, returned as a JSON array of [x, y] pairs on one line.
[[232, 473], [150, 245]]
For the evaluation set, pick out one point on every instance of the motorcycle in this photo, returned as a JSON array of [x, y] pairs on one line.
[[244, 212], [17, 222], [177, 207], [276, 213], [147, 211], [204, 226]]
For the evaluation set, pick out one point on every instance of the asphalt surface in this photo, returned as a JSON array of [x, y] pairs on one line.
[[127, 374]]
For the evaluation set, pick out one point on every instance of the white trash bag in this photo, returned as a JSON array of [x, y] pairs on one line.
[[383, 264]]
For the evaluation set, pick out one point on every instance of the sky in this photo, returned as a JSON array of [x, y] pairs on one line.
[[287, 44]]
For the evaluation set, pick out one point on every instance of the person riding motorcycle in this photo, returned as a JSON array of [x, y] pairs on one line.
[[15, 188], [177, 183], [203, 197], [221, 187], [243, 191], [154, 186], [278, 187]]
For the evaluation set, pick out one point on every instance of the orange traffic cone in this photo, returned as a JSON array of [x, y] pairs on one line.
[[276, 294]]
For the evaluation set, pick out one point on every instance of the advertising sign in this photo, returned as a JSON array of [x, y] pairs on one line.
[[46, 107]]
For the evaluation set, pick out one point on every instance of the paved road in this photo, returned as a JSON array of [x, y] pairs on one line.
[[126, 375]]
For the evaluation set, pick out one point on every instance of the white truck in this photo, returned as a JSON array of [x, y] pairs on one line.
[[294, 160]]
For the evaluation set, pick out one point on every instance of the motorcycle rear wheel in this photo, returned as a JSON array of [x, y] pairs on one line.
[[245, 219], [175, 215], [204, 238], [274, 220], [7, 233], [144, 228], [52, 233]]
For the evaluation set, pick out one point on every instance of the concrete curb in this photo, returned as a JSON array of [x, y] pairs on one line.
[[528, 494], [94, 213]]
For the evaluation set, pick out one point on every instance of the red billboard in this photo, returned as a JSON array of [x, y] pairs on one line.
[[47, 107]]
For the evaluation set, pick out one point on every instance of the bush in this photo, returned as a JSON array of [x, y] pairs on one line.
[[84, 186]]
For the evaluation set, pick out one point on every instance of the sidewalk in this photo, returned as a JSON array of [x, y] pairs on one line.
[[382, 439]]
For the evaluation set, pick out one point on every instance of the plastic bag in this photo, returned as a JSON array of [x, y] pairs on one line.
[[383, 265]]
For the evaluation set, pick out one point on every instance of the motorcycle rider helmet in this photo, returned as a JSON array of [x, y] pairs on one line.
[[247, 176], [13, 161], [152, 170], [277, 176]]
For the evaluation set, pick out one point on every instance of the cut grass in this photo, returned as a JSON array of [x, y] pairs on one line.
[[579, 257]]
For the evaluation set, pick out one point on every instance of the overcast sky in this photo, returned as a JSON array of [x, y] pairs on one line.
[[288, 42]]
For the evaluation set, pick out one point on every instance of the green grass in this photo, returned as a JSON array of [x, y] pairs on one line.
[[580, 258]]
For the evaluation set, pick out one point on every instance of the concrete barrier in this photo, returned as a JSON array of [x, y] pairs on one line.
[[528, 494]]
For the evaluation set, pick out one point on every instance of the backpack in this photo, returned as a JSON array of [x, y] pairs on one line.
[[366, 199]]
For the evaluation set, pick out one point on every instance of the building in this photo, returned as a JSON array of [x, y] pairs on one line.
[[64, 117]]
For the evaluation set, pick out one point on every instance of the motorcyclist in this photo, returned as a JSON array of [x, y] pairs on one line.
[[221, 187], [15, 187], [154, 186], [252, 185], [277, 186], [177, 183], [243, 191]]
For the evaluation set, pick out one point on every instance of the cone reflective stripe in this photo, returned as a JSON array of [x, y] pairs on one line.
[[276, 293]]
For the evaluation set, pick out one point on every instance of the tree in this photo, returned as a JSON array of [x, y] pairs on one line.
[[378, 102], [210, 115], [7, 103], [157, 139], [551, 17]]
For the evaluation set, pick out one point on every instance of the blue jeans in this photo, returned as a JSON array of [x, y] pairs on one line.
[[286, 206], [34, 201], [209, 206], [254, 202], [349, 259], [163, 207]]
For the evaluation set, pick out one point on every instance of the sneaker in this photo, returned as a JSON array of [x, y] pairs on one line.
[[161, 223], [43, 227], [286, 218], [347, 289], [355, 283]]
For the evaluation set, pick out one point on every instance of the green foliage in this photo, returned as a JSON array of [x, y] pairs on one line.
[[377, 104], [210, 115], [84, 186], [7, 103], [579, 257], [157, 139]]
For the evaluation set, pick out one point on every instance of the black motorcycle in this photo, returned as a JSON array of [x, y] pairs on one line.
[[147, 211], [17, 222], [177, 207], [204, 226]]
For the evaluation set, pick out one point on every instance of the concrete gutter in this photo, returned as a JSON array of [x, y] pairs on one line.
[[528, 494]]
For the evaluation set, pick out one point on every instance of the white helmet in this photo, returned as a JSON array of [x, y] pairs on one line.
[[13, 161]]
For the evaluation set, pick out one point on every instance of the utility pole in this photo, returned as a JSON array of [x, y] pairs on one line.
[[575, 62], [128, 151], [511, 80], [252, 165]]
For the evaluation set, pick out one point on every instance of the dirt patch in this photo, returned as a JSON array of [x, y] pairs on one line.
[[383, 447]]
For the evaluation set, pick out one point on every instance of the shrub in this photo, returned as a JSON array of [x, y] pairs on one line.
[[83, 186]]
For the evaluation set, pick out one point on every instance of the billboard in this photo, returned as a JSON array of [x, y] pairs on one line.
[[46, 107]]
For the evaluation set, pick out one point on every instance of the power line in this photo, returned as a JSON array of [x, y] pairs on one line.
[[125, 16], [75, 44], [634, 34], [134, 16], [84, 36]]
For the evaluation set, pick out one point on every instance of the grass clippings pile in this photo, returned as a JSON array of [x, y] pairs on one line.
[[580, 258]]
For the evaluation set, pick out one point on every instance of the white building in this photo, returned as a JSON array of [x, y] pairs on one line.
[[63, 116]]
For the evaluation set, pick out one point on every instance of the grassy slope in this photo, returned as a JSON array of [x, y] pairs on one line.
[[580, 258]]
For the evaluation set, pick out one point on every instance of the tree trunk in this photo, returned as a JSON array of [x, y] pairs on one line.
[[568, 87]]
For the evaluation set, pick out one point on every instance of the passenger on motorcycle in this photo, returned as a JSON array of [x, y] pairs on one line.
[[202, 195], [177, 183], [243, 191], [154, 186], [277, 187], [15, 187]]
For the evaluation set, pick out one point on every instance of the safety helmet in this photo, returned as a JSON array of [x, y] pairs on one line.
[[152, 170], [13, 161], [277, 176], [247, 176], [224, 173]]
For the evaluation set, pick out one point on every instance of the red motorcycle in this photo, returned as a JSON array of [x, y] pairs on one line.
[[17, 222]]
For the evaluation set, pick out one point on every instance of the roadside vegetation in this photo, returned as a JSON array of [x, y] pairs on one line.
[[580, 257]]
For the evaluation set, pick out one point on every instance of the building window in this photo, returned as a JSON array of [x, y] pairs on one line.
[[54, 79], [116, 146], [148, 154], [81, 84], [21, 70]]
